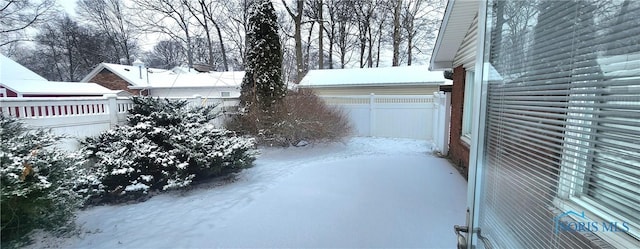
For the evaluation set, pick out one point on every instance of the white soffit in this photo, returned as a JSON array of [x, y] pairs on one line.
[[456, 22]]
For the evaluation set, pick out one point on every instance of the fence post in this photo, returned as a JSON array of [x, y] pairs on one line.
[[436, 121], [372, 114], [447, 122], [197, 100], [112, 106], [443, 113]]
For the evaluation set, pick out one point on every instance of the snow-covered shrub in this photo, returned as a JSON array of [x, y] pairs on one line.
[[165, 145], [300, 119], [40, 184]]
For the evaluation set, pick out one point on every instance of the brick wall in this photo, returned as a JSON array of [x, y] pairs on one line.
[[112, 81], [458, 150]]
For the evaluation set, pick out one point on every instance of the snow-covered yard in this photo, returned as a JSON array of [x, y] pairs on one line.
[[367, 192]]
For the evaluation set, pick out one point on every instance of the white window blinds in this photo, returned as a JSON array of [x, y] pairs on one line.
[[563, 124]]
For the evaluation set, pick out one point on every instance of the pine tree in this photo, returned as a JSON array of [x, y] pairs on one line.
[[262, 86]]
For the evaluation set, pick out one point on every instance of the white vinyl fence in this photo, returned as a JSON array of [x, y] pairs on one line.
[[80, 117], [441, 122], [406, 116]]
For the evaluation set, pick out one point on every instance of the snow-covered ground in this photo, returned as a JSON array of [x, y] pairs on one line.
[[367, 192]]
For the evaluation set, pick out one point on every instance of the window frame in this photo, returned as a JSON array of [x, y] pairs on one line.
[[575, 173], [467, 106]]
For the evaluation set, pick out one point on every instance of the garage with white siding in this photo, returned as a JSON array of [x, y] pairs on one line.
[[381, 102]]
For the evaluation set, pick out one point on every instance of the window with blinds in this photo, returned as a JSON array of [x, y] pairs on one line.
[[561, 162]]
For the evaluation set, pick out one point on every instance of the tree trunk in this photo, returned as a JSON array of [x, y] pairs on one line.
[[363, 49], [297, 36], [409, 49], [396, 34], [320, 37], [209, 44], [222, 49], [307, 58], [370, 50], [330, 54], [379, 42], [299, 60], [189, 51]]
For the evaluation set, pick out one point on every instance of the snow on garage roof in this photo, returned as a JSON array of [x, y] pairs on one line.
[[408, 75], [24, 81], [141, 77]]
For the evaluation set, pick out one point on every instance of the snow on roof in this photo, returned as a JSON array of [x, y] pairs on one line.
[[410, 75], [11, 70], [24, 81], [141, 77], [56, 88]]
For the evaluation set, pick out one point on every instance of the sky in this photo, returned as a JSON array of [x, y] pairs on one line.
[[68, 5]]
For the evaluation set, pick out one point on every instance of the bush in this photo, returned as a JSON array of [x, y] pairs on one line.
[[164, 145], [301, 118], [40, 183]]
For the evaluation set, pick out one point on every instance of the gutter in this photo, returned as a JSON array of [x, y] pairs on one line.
[[375, 85]]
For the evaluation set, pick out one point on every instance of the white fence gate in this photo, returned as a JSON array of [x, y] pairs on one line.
[[406, 116], [84, 116]]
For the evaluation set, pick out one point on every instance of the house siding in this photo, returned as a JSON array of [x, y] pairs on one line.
[[112, 81], [188, 92], [380, 90], [458, 149]]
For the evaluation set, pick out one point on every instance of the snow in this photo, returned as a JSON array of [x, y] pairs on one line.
[[366, 192], [56, 88], [408, 75], [11, 70], [24, 81], [178, 77]]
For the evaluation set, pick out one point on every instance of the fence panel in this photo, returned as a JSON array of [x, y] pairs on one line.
[[86, 116], [405, 116]]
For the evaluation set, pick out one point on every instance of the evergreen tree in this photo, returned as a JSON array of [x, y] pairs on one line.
[[262, 86], [40, 184]]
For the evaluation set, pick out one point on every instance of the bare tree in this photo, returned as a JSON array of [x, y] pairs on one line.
[[66, 51], [380, 18], [315, 13], [296, 16], [210, 11], [111, 18], [331, 28], [307, 55], [339, 30], [420, 19], [235, 28], [364, 14], [206, 14], [168, 17], [288, 46], [320, 20], [166, 54], [16, 16], [397, 7]]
